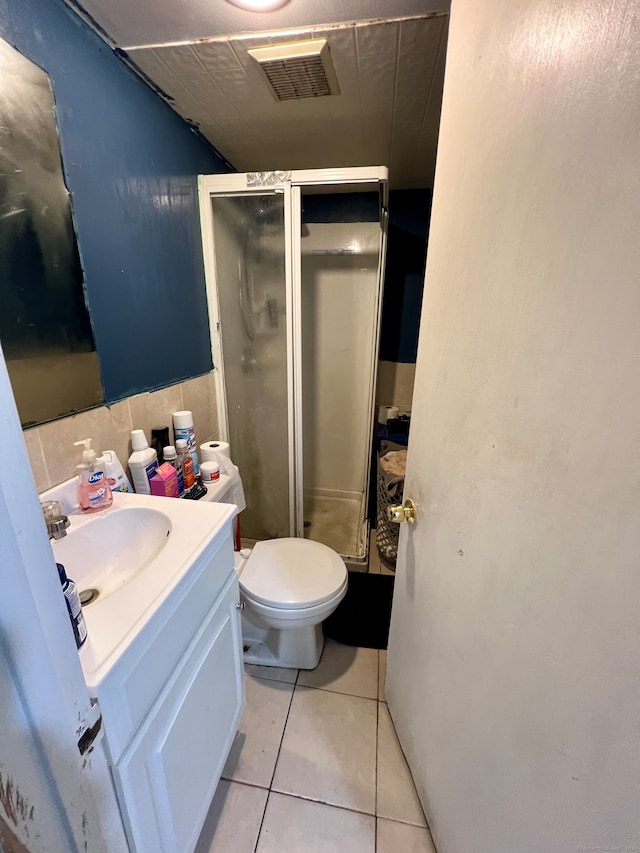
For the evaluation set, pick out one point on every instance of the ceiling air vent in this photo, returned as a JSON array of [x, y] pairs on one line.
[[301, 69]]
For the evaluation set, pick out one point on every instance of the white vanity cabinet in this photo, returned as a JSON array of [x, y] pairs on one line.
[[167, 776], [171, 706]]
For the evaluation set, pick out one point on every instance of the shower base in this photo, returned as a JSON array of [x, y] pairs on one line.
[[336, 522]]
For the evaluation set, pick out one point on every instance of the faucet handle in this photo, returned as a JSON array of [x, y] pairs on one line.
[[56, 522], [51, 510]]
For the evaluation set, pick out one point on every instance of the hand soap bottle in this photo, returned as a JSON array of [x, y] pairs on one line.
[[94, 493]]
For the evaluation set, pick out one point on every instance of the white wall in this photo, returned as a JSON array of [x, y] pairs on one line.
[[526, 680], [339, 305]]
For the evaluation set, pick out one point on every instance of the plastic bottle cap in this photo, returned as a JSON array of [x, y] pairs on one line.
[[88, 455], [169, 452], [181, 444], [181, 420], [138, 440]]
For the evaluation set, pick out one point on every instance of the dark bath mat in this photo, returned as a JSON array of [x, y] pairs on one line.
[[362, 617]]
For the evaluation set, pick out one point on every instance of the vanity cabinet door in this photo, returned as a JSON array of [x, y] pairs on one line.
[[168, 774]]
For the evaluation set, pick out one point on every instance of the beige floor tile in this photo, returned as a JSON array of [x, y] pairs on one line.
[[344, 669], [234, 819], [255, 749], [394, 837], [396, 793], [328, 751], [382, 673], [272, 673], [292, 825]]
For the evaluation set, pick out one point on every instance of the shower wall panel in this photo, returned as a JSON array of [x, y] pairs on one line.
[[249, 256], [339, 306]]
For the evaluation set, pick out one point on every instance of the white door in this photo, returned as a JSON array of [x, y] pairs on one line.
[[513, 663], [51, 796]]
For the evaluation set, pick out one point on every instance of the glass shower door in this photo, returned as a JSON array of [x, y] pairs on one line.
[[250, 268]]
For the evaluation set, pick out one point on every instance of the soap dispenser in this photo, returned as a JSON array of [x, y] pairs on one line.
[[94, 493]]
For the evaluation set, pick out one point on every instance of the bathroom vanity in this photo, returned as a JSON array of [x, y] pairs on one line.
[[163, 656]]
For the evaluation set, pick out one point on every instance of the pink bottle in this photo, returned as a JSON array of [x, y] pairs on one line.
[[94, 493]]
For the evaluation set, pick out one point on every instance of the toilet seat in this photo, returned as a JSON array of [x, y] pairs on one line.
[[293, 574]]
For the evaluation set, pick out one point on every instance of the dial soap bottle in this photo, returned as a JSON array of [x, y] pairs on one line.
[[94, 493]]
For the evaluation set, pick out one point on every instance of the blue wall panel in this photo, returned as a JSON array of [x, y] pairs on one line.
[[409, 212], [131, 164]]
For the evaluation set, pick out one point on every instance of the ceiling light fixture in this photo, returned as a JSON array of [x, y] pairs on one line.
[[259, 5]]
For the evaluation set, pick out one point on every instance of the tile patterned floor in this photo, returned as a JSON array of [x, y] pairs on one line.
[[316, 766]]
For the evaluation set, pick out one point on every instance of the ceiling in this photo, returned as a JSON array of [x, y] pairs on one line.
[[390, 74]]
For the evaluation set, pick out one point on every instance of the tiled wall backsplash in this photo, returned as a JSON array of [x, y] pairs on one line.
[[50, 446]]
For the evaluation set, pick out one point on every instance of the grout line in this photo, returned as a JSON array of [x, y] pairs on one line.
[[337, 692], [272, 680], [283, 731], [325, 803], [264, 812], [375, 842], [243, 783]]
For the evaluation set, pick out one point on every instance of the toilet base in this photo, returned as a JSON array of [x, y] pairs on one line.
[[292, 648]]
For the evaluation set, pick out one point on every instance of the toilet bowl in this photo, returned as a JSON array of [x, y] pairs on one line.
[[288, 587]]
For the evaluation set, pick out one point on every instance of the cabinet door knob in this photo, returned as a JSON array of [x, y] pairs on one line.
[[239, 605]]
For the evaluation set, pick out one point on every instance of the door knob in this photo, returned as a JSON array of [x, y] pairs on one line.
[[399, 513]]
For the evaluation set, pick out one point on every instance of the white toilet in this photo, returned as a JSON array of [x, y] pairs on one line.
[[288, 587]]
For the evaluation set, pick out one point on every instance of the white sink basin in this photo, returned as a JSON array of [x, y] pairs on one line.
[[140, 555], [109, 550]]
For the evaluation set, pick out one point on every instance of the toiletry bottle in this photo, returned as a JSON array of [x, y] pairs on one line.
[[74, 608], [142, 462], [169, 455], [183, 429], [94, 493], [117, 479], [185, 462]]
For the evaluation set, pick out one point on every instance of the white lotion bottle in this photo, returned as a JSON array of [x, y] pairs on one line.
[[117, 479], [142, 462]]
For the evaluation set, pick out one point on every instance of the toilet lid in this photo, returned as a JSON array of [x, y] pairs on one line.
[[292, 573]]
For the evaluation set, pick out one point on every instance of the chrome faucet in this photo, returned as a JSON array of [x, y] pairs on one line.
[[56, 522]]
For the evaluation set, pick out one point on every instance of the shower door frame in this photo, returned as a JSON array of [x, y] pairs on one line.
[[290, 184]]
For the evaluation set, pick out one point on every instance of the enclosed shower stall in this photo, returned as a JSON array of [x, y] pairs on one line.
[[294, 266]]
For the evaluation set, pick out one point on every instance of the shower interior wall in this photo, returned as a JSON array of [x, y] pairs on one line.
[[339, 302]]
